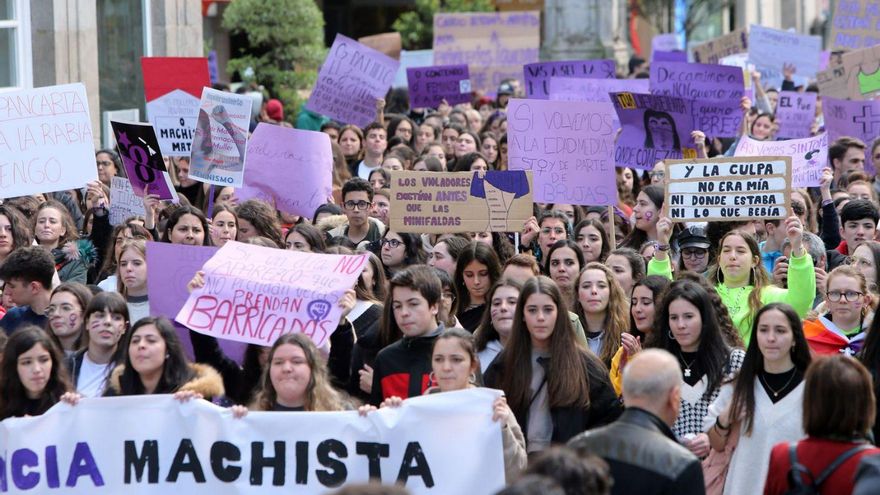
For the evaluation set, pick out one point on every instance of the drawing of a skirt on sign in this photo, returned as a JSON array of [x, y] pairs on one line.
[[218, 143], [499, 189]]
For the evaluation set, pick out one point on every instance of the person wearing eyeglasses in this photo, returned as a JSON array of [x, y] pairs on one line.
[[841, 330], [657, 175], [357, 202], [399, 251], [694, 249]]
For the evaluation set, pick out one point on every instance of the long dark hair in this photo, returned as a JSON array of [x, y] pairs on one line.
[[744, 388], [83, 295], [486, 332], [137, 232], [15, 400], [656, 284], [21, 230], [175, 217], [481, 253], [109, 302], [603, 235], [175, 371], [758, 279], [637, 237], [564, 243], [264, 219]]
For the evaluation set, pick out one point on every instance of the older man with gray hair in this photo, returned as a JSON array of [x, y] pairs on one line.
[[640, 448]]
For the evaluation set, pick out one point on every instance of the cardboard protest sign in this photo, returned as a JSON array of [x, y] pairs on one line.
[[256, 294], [862, 69], [712, 51], [567, 146], [388, 43], [715, 89], [855, 24], [809, 156], [728, 189], [832, 82], [46, 140], [858, 119], [291, 169], [596, 90], [155, 445], [495, 45], [173, 87], [795, 114], [441, 202], [352, 78], [770, 49], [142, 161], [124, 203], [654, 128], [429, 86], [538, 75], [220, 140]]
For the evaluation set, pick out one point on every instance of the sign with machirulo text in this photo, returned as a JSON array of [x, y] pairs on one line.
[[795, 114], [46, 140], [862, 69], [770, 49], [858, 119], [728, 189], [855, 24], [538, 75], [288, 168], [388, 43], [256, 294], [495, 45], [443, 202], [712, 51], [155, 445], [124, 203], [139, 150], [715, 89], [809, 156], [429, 86], [568, 146], [173, 87], [352, 78], [220, 139], [596, 90], [654, 128]]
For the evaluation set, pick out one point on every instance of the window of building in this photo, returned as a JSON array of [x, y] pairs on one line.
[[15, 45]]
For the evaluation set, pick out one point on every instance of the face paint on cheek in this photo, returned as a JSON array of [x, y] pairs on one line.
[[71, 321], [648, 216]]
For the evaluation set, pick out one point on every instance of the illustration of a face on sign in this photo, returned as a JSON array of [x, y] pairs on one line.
[[660, 131]]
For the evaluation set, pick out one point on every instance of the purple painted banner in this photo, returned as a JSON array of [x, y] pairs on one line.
[[288, 168], [429, 86], [795, 114], [352, 78], [170, 267], [809, 156], [139, 149], [568, 147], [654, 128], [595, 90], [538, 75], [858, 119], [715, 89]]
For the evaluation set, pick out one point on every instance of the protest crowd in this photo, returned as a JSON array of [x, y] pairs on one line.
[[652, 279]]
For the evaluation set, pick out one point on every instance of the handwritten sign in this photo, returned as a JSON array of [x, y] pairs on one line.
[[494, 45], [388, 43], [172, 87], [434, 203], [220, 140], [712, 51], [795, 114], [654, 128], [288, 168], [855, 24], [728, 189], [538, 75], [862, 72], [715, 89], [858, 119], [256, 294], [596, 90], [46, 140], [832, 82], [352, 78], [429, 86], [124, 203], [143, 163], [770, 49], [567, 146], [808, 155]]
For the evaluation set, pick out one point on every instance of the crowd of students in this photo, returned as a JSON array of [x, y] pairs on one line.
[[713, 335]]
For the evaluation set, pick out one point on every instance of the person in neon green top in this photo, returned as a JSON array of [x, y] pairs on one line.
[[740, 278]]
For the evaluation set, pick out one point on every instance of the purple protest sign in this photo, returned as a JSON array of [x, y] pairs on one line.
[[669, 56], [654, 128], [715, 89], [596, 90], [538, 75], [568, 147], [858, 119], [809, 156], [429, 86], [142, 160], [170, 267], [288, 168], [795, 114], [352, 78]]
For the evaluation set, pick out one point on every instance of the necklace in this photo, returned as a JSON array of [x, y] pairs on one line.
[[733, 298], [776, 392], [687, 365]]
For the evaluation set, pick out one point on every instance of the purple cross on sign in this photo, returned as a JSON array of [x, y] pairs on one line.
[[870, 121]]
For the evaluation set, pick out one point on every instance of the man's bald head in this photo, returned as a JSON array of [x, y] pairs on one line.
[[649, 379]]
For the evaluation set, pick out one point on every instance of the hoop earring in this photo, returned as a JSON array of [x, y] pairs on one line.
[[472, 379], [431, 380], [671, 337]]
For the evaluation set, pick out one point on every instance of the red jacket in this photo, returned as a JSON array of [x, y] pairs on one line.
[[815, 454]]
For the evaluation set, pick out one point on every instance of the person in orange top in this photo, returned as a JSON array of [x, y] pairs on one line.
[[841, 329]]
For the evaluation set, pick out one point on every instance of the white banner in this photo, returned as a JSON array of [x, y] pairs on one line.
[[438, 444]]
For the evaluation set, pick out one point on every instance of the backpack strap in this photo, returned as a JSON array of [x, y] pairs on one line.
[[796, 469], [840, 460]]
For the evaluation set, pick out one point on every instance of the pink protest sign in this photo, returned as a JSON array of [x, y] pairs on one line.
[[858, 119], [568, 147], [256, 294], [289, 168], [808, 156], [795, 114], [654, 128], [539, 74]]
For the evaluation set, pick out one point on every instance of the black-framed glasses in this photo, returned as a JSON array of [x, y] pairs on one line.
[[392, 243], [360, 205], [849, 295], [694, 253]]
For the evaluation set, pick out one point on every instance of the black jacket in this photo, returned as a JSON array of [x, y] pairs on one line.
[[403, 368], [644, 456], [604, 406]]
